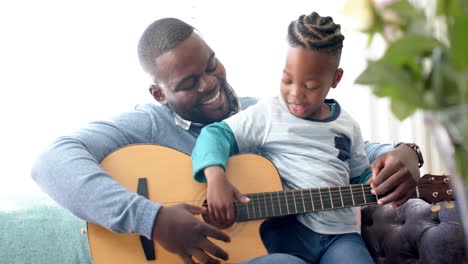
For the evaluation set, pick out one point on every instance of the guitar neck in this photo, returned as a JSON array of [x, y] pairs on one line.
[[282, 203]]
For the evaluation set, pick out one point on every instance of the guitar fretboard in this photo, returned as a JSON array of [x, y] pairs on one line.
[[271, 204]]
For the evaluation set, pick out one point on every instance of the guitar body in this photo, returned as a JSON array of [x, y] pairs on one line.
[[168, 173]]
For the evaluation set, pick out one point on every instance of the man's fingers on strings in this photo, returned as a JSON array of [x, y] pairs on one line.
[[405, 192], [211, 231], [187, 259], [387, 185], [382, 176], [213, 249], [396, 195], [202, 257], [195, 209], [376, 167]]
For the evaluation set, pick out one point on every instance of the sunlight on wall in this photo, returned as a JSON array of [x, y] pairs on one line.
[[64, 64]]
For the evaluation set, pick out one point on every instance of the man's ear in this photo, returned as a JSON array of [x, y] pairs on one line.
[[157, 93], [337, 77]]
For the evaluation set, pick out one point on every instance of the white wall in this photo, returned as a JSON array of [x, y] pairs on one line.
[[65, 63]]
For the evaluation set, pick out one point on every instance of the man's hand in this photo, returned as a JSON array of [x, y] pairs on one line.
[[395, 174], [178, 231], [221, 194]]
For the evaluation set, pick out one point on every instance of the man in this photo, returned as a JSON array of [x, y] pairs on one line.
[[190, 83]]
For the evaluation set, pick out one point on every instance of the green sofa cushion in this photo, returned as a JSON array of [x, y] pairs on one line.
[[34, 229]]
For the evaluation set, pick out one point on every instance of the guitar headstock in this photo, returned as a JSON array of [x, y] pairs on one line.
[[435, 188]]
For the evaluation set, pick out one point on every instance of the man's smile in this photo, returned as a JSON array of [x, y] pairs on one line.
[[213, 98]]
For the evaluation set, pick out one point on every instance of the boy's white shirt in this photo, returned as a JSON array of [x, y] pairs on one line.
[[305, 154]]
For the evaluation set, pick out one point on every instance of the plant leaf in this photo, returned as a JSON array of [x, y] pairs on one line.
[[404, 9], [392, 81], [457, 33], [401, 109], [410, 48]]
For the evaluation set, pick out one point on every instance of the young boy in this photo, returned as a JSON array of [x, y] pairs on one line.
[[310, 139]]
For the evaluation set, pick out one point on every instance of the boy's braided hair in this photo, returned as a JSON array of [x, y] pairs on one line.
[[317, 33]]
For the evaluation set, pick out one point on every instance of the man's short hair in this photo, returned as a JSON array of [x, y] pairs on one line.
[[161, 36]]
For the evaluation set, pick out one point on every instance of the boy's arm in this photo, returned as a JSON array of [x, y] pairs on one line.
[[241, 132], [215, 144], [363, 178], [374, 150], [360, 171]]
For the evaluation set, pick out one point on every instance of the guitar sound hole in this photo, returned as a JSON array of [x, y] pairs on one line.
[[208, 220]]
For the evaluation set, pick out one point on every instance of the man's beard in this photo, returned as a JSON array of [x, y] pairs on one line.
[[231, 97]]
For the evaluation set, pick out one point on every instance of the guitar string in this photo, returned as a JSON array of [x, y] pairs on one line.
[[328, 189], [260, 210], [264, 204], [334, 190], [289, 194], [298, 201], [324, 191]]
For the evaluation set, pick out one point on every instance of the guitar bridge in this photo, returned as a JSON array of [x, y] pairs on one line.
[[146, 244]]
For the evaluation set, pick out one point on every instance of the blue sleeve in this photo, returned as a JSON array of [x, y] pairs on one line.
[[365, 176], [373, 150], [214, 146]]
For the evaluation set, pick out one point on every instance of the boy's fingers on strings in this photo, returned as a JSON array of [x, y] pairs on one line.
[[241, 197], [213, 213]]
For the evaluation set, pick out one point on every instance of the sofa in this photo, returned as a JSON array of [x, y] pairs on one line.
[[36, 230], [413, 233]]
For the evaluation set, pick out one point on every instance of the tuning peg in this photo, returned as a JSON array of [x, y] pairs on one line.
[[449, 205], [449, 192], [435, 208]]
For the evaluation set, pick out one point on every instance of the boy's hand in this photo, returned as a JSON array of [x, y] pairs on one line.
[[221, 195]]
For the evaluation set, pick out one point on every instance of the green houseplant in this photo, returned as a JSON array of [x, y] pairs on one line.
[[425, 67]]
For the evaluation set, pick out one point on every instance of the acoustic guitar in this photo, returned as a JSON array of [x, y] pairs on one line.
[[163, 175]]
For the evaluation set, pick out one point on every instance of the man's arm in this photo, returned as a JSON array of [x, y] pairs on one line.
[[395, 172], [68, 170]]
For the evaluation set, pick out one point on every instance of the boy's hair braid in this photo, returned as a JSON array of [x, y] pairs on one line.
[[317, 33]]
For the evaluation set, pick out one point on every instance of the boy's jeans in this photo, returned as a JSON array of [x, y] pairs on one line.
[[289, 241]]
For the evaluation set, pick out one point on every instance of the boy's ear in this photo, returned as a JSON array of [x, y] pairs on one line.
[[337, 77], [157, 93]]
